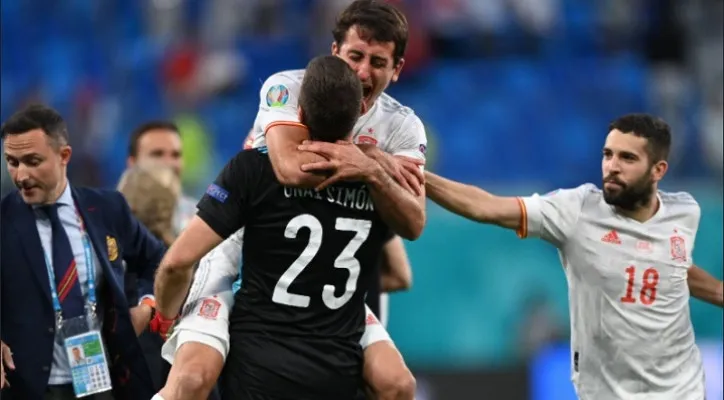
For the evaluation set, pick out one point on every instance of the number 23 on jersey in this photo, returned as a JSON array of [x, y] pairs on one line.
[[345, 260]]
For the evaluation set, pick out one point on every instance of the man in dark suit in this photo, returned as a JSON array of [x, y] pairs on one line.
[[62, 247]]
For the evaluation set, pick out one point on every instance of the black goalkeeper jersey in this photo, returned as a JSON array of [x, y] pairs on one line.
[[308, 259]]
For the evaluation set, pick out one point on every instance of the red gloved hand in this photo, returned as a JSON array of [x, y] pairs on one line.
[[161, 325]]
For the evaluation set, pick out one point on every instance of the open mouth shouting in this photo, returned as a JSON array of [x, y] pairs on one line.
[[367, 95]]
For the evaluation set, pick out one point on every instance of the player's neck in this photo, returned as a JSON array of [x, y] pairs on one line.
[[643, 213]]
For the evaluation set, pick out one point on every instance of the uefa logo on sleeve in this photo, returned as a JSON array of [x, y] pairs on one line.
[[277, 96]]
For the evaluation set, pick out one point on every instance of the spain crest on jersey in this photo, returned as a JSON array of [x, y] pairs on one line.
[[209, 308], [678, 248]]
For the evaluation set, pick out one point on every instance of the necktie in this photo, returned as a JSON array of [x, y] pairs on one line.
[[66, 273]]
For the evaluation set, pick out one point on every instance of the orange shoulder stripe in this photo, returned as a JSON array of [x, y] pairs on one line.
[[284, 123]]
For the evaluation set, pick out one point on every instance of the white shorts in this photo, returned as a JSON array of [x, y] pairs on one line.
[[208, 324], [205, 316]]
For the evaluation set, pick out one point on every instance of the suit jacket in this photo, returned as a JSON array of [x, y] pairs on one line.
[[27, 322]]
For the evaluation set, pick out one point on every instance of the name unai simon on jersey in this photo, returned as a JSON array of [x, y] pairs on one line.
[[355, 198]]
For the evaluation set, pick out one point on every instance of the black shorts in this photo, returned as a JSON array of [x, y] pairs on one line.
[[264, 367]]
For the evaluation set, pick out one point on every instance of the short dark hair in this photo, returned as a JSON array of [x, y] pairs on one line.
[[655, 130], [330, 99], [37, 116], [377, 20], [146, 127]]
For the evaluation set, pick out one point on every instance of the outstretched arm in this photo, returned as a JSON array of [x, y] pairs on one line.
[[552, 217], [474, 203]]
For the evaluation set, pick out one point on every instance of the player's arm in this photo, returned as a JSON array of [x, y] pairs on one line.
[[403, 211], [278, 118], [474, 203], [552, 217], [283, 140], [175, 273], [217, 270], [396, 273], [221, 212], [402, 207], [705, 287], [403, 157]]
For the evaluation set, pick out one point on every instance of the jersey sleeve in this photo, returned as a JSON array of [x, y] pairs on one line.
[[278, 100], [410, 139], [552, 217], [225, 205]]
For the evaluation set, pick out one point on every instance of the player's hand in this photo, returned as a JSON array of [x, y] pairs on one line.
[[402, 169], [140, 317], [7, 362], [345, 161], [405, 170], [162, 326], [412, 172]]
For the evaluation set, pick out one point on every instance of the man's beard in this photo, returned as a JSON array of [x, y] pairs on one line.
[[630, 196]]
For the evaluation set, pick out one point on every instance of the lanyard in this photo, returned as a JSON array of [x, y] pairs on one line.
[[91, 275]]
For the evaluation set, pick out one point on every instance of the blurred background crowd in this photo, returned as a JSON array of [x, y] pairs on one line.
[[516, 96]]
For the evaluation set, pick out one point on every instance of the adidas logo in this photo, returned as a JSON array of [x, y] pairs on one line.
[[611, 237]]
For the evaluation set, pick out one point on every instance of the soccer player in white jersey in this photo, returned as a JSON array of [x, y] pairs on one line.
[[371, 36], [626, 251]]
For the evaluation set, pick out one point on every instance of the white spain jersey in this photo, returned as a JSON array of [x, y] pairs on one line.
[[391, 126], [631, 333]]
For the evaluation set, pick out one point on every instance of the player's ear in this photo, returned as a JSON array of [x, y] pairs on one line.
[[335, 48], [659, 170], [398, 70]]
